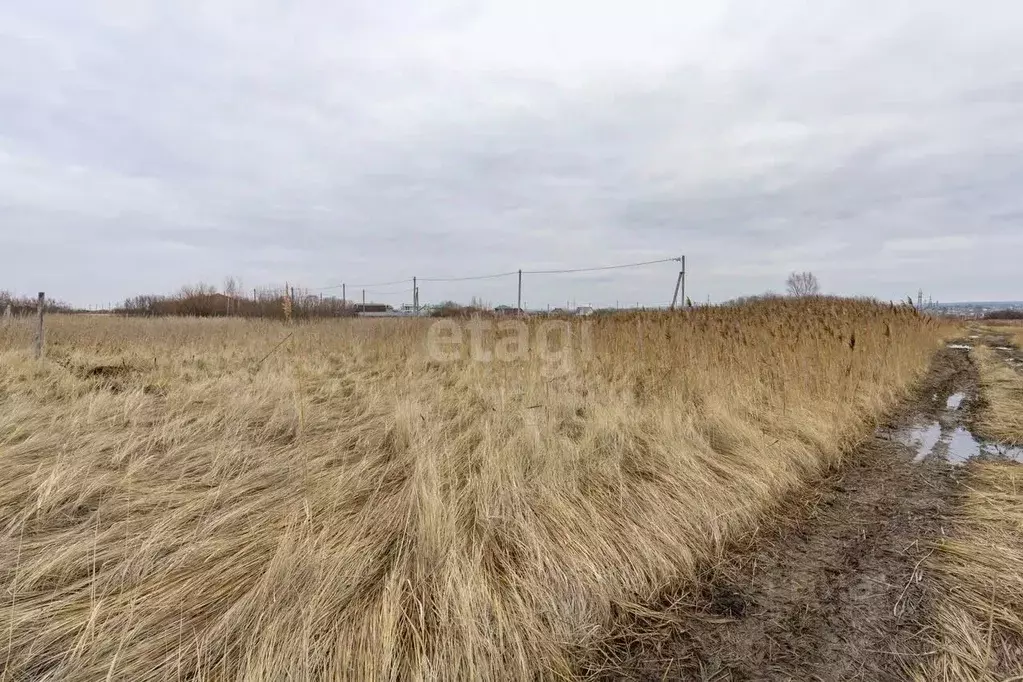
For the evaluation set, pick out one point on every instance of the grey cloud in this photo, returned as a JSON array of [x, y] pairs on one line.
[[374, 141]]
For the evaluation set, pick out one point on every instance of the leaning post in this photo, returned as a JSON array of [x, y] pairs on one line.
[[39, 328]]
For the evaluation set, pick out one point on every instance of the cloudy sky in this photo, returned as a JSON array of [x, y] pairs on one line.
[[145, 145]]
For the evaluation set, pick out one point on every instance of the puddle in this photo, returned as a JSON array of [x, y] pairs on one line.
[[954, 401], [959, 346], [974, 336], [1005, 348], [962, 446], [1013, 452], [957, 447], [923, 438]]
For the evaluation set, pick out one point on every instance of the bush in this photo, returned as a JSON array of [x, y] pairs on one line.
[[1004, 315], [23, 305]]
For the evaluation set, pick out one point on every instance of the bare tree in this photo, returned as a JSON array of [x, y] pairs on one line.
[[233, 286], [200, 290], [803, 284], [232, 291]]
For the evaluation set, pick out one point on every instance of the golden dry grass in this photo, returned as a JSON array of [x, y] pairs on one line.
[[355, 510], [1011, 329], [979, 620], [979, 570], [1015, 334], [1002, 388]]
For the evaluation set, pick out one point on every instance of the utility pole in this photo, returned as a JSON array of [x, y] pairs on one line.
[[344, 296], [415, 295], [682, 279], [519, 309], [678, 283], [363, 300]]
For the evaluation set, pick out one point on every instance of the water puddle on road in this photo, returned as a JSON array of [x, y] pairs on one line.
[[923, 438], [953, 442], [959, 346], [958, 446], [962, 446], [954, 401]]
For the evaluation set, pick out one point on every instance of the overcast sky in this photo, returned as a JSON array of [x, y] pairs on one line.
[[145, 145]]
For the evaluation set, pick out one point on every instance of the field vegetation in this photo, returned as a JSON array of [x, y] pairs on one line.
[[1002, 388], [980, 618], [1008, 314], [21, 306], [205, 300], [236, 499]]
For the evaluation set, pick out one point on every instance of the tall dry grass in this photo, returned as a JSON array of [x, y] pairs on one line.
[[353, 509], [979, 620]]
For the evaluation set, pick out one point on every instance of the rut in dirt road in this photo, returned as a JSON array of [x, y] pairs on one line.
[[834, 590]]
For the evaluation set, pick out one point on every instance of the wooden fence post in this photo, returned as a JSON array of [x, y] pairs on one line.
[[39, 330]]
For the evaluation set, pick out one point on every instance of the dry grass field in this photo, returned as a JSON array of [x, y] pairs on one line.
[[979, 623], [1002, 387], [194, 499]]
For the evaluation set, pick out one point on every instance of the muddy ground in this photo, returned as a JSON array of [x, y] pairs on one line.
[[834, 590]]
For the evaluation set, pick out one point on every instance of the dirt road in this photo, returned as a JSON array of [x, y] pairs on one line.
[[835, 590]]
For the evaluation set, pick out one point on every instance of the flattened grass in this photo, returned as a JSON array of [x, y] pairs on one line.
[[979, 568]]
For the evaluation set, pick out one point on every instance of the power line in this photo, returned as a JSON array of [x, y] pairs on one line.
[[605, 267], [386, 293], [505, 274], [364, 286], [467, 279]]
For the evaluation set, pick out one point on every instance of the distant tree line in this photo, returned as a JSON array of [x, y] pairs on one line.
[[25, 305], [204, 300], [1004, 315]]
